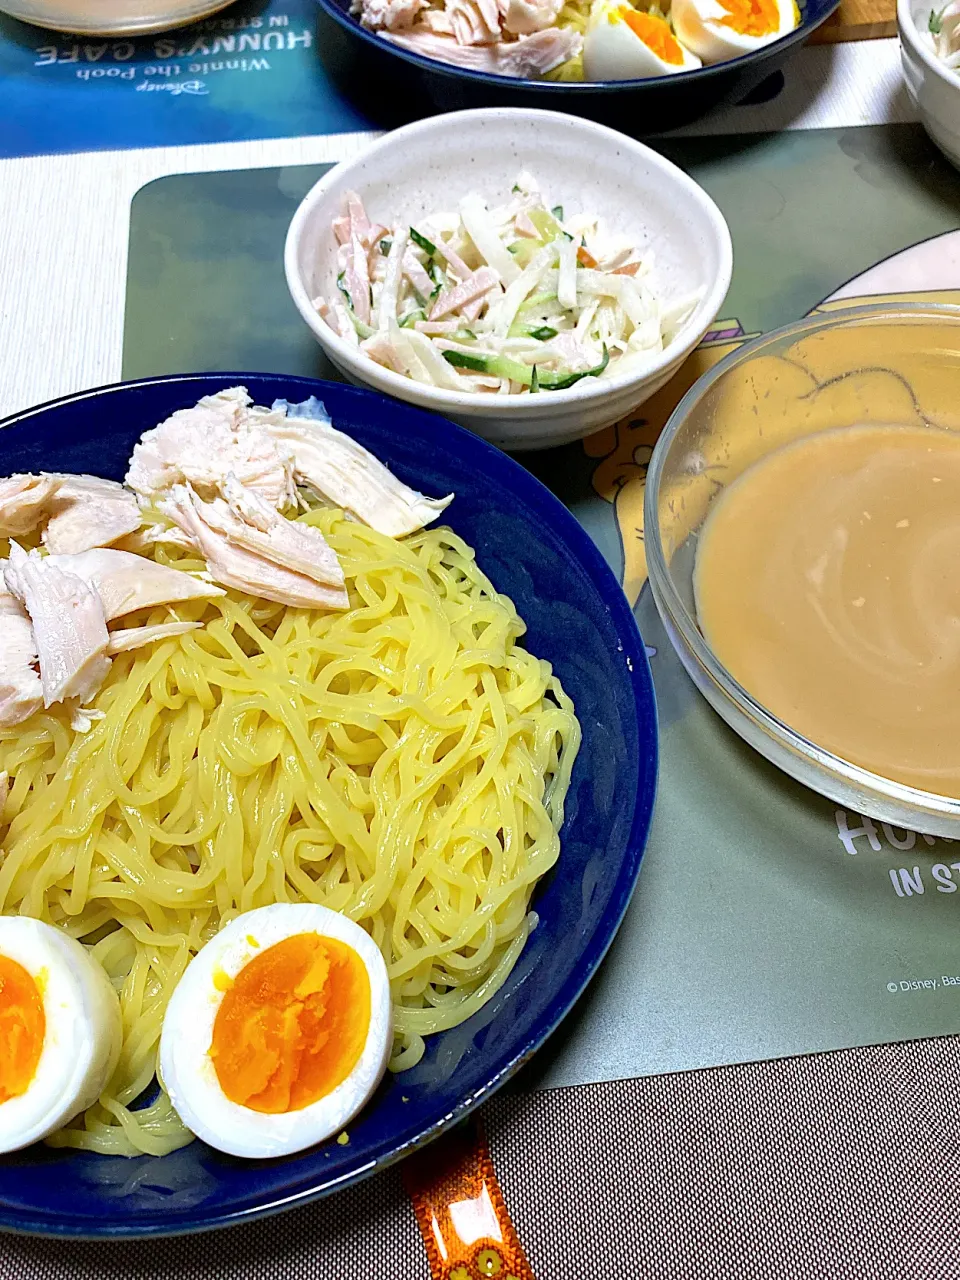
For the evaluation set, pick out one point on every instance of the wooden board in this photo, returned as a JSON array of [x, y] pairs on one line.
[[858, 20]]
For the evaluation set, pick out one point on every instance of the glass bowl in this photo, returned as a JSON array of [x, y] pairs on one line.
[[111, 17], [840, 367]]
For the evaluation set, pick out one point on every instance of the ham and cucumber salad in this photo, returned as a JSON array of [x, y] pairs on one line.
[[510, 300]]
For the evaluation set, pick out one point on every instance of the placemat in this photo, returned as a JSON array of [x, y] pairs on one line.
[[767, 921], [251, 71]]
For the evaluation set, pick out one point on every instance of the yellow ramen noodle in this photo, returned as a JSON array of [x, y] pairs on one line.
[[404, 762]]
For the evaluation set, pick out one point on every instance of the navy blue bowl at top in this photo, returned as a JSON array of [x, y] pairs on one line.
[[577, 618], [394, 86]]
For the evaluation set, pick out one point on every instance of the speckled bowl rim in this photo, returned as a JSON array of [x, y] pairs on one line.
[[911, 37]]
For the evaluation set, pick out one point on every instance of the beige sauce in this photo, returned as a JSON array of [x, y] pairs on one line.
[[828, 584]]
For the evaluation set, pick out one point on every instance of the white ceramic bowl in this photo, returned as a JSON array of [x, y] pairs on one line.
[[428, 166], [934, 88]]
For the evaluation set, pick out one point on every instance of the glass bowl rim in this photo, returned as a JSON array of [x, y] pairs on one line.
[[684, 624]]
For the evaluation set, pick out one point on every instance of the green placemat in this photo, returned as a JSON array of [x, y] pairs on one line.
[[767, 922]]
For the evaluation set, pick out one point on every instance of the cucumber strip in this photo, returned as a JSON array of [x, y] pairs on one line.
[[504, 367], [542, 332], [534, 381], [476, 364], [557, 212], [538, 300], [426, 245], [411, 318], [437, 276], [363, 330], [546, 224], [385, 247], [524, 251], [560, 381]]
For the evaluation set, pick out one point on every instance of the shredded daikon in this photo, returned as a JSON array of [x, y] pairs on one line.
[[499, 300]]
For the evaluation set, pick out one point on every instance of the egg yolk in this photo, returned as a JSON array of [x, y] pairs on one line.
[[655, 34], [751, 17], [292, 1025], [22, 1029]]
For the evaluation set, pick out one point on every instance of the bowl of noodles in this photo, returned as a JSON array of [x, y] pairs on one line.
[[255, 755], [396, 77]]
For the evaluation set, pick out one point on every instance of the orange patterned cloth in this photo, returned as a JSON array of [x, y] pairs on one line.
[[461, 1213]]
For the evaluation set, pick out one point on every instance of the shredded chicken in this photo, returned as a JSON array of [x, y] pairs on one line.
[[150, 535], [23, 501], [526, 58], [346, 475], [55, 605], [199, 446], [21, 693], [126, 582], [82, 719], [470, 33], [388, 15], [137, 637], [295, 546], [437, 21], [69, 627], [530, 57], [523, 17], [79, 512], [474, 21], [224, 539], [86, 512]]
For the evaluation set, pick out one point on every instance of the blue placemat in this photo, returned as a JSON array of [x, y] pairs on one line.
[[251, 71]]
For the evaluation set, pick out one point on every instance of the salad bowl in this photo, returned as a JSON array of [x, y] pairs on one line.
[[933, 87], [429, 166]]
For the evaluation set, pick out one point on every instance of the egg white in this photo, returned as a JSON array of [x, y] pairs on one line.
[[187, 1070], [698, 26], [613, 51], [82, 1036]]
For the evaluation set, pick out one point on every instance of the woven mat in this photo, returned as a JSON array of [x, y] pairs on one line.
[[733, 1175]]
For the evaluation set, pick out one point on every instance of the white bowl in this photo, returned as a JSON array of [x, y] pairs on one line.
[[428, 166], [934, 88]]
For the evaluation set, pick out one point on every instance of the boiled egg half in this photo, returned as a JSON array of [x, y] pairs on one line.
[[278, 1032], [60, 1030], [624, 44], [718, 30]]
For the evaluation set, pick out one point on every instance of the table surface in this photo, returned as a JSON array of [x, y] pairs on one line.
[[64, 224], [64, 219]]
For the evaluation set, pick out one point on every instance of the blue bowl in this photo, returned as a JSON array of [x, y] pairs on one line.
[[393, 86], [578, 619]]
